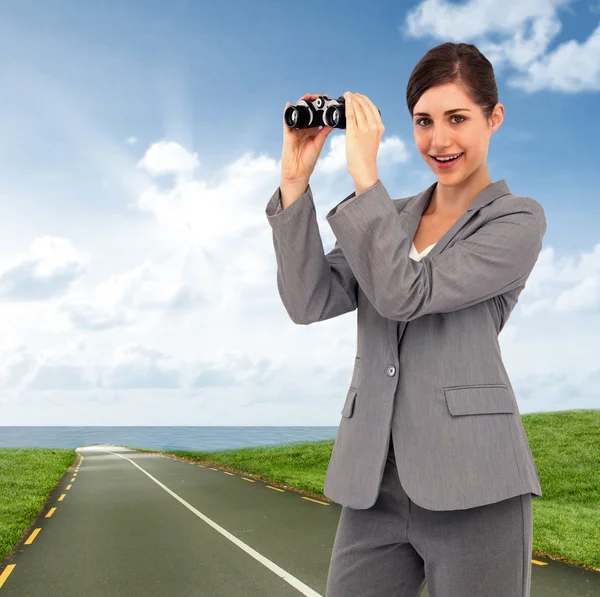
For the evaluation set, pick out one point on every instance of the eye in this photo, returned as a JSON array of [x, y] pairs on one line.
[[453, 116]]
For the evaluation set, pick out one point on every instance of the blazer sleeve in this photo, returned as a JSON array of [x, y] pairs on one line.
[[313, 286], [496, 258]]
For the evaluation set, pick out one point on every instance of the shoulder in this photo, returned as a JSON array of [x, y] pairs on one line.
[[517, 203]]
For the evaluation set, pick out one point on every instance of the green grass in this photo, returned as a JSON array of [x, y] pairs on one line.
[[565, 446], [27, 476]]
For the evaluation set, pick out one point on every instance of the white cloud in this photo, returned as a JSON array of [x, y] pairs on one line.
[[168, 157], [565, 285], [525, 31], [46, 271], [140, 367]]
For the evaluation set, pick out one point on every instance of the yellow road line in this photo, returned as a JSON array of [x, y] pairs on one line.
[[6, 573], [32, 536]]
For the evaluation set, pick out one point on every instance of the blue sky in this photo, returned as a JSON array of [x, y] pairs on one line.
[[141, 143]]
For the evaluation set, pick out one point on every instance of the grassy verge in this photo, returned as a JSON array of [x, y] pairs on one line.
[[27, 476], [565, 446]]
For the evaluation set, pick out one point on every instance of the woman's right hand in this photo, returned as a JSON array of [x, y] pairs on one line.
[[301, 149]]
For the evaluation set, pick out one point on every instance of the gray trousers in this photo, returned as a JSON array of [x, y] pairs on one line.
[[394, 547]]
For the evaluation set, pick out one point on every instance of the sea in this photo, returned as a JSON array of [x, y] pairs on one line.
[[203, 439]]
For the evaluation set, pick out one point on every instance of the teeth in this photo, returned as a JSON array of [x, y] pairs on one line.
[[446, 159]]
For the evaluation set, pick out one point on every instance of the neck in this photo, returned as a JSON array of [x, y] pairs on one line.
[[453, 201]]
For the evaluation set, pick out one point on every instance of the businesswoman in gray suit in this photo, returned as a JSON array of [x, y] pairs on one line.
[[430, 463]]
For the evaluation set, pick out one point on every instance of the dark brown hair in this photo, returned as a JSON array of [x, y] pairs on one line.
[[460, 63]]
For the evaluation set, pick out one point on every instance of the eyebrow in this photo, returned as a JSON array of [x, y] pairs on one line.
[[446, 112]]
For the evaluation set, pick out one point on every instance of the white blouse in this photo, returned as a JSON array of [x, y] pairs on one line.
[[417, 256]]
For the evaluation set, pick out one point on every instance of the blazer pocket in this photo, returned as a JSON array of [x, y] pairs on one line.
[[479, 399], [348, 409]]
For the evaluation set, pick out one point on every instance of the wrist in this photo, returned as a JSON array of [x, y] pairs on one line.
[[293, 184], [291, 192], [363, 185]]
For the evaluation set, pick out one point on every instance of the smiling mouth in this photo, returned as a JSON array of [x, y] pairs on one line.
[[445, 161]]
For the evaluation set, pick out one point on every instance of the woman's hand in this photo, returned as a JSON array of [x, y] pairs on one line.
[[364, 130], [301, 148]]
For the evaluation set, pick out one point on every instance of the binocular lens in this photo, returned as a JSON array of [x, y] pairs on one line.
[[298, 116]]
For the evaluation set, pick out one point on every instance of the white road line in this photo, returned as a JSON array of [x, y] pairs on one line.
[[289, 578]]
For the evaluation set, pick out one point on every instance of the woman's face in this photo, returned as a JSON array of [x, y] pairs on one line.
[[464, 131]]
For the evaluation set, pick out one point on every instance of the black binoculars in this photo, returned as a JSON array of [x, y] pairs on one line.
[[318, 112]]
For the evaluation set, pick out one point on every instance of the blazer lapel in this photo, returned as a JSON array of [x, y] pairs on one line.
[[411, 216]]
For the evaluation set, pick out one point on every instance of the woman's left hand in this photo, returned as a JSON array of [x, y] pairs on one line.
[[364, 130]]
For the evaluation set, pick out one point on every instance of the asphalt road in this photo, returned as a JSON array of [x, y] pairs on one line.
[[125, 523]]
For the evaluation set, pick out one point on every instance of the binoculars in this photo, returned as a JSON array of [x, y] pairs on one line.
[[318, 112]]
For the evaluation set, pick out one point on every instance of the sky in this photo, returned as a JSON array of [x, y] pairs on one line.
[[141, 142]]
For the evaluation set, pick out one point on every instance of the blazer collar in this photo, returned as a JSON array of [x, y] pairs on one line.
[[418, 204]]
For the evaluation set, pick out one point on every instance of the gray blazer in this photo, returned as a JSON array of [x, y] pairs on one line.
[[428, 365]]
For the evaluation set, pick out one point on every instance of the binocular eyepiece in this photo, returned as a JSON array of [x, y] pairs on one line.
[[318, 112]]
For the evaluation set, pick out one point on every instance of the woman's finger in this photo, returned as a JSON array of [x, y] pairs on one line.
[[369, 106]]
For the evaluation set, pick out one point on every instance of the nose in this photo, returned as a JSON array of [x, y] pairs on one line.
[[440, 139]]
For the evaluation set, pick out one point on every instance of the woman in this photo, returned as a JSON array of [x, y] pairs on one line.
[[431, 463]]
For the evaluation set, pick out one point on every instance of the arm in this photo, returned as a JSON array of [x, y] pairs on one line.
[[313, 286], [495, 259]]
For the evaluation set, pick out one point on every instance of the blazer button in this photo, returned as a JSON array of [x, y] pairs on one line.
[[391, 370]]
